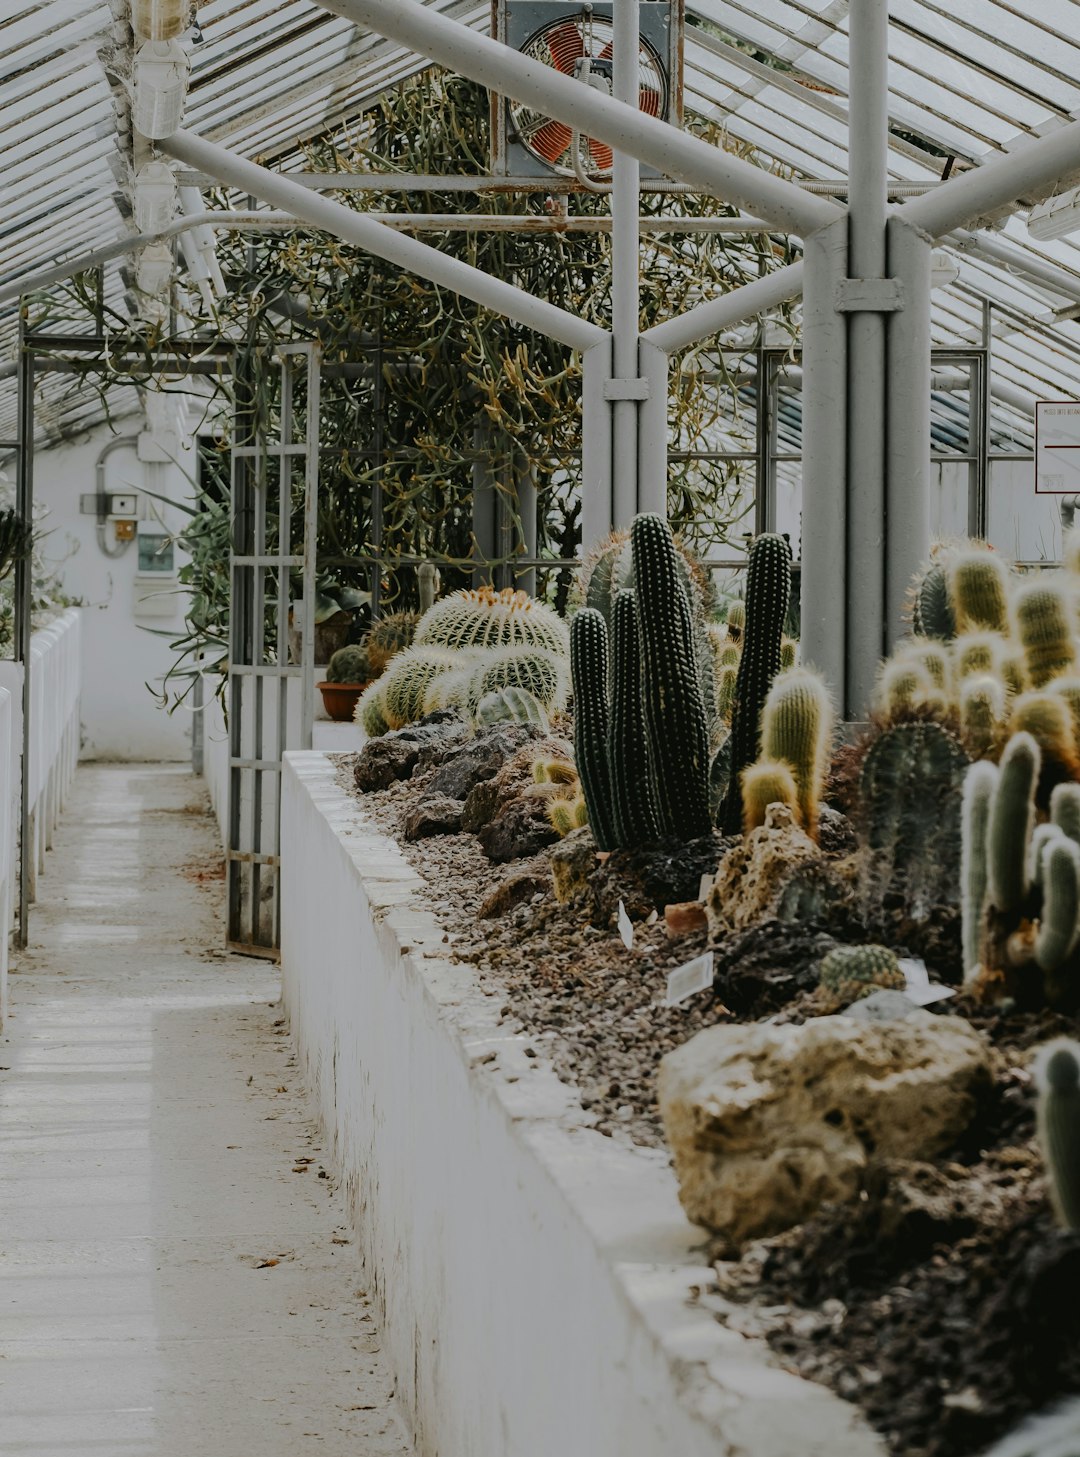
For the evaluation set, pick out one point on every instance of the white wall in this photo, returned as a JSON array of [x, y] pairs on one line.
[[119, 715]]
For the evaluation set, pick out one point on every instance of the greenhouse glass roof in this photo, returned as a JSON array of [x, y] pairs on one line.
[[968, 81]]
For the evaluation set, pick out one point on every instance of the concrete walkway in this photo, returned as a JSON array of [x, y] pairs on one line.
[[176, 1274]]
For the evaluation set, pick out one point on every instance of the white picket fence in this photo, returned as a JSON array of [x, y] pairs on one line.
[[55, 683]]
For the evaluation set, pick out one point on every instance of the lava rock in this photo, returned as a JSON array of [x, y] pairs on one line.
[[836, 833], [769, 1122], [481, 802], [384, 760], [436, 814], [521, 827], [573, 859], [469, 763], [517, 887], [753, 876], [650, 877]]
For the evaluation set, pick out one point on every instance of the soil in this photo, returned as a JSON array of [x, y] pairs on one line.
[[945, 1302]]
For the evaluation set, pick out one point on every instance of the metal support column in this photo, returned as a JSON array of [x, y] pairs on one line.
[[24, 505], [654, 367], [596, 504], [624, 273]]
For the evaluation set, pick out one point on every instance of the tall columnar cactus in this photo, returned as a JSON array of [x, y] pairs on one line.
[[932, 614], [483, 618], [980, 785], [769, 781], [931, 656], [1012, 819], [976, 653], [1065, 810], [1069, 690], [1044, 621], [388, 636], [725, 692], [671, 694], [768, 588], [1059, 926], [589, 670], [796, 726], [982, 710], [902, 687], [633, 801], [978, 586], [1046, 717], [1057, 1076]]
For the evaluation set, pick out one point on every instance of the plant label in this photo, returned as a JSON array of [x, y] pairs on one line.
[[626, 927], [920, 989], [705, 885], [690, 978]]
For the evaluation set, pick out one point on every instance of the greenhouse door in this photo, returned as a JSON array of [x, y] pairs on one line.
[[275, 476]]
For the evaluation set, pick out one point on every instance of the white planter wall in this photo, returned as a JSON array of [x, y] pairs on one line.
[[55, 684], [534, 1278]]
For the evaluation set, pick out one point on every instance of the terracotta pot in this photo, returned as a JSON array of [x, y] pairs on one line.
[[339, 699]]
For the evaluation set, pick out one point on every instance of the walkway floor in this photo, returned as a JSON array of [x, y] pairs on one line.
[[176, 1274]]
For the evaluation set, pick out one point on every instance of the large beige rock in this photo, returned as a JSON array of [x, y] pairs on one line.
[[767, 1123]]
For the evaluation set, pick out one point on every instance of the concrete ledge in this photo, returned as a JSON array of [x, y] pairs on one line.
[[535, 1279]]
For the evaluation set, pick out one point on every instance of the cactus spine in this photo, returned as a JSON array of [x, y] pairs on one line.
[[1044, 625], [589, 669], [902, 687], [566, 814], [389, 636], [982, 707], [674, 708], [796, 726], [1057, 1075], [769, 781], [978, 584], [768, 589], [349, 665], [933, 614], [1012, 819], [538, 673], [1047, 719], [633, 804], [407, 682], [980, 784]]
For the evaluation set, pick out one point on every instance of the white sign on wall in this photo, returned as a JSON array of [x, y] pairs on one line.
[[1057, 447]]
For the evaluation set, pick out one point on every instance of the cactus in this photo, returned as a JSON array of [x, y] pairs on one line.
[[1058, 925], [736, 620], [1046, 717], [483, 618], [538, 673], [902, 687], [768, 588], [633, 789], [1057, 1076], [671, 695], [851, 972], [388, 636], [1013, 672], [1065, 810], [769, 781], [510, 705], [726, 679], [566, 814], [554, 771], [796, 726], [426, 577], [1070, 551], [789, 653], [909, 813], [1012, 819], [978, 585], [930, 656], [369, 711], [982, 708], [1041, 836], [1044, 621], [980, 784], [932, 614], [408, 679], [976, 654], [589, 670], [349, 665], [1069, 690]]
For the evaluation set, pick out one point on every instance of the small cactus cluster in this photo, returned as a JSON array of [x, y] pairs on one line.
[[641, 729], [490, 656], [849, 973], [566, 809], [1021, 880], [349, 664], [796, 743]]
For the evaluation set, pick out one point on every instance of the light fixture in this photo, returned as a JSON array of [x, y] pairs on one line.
[[154, 270], [944, 269], [159, 19], [161, 81], [155, 197], [1055, 217]]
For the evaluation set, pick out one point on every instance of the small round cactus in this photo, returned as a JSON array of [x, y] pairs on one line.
[[388, 636], [566, 813], [1057, 1075], [349, 665], [369, 711], [483, 618], [849, 973], [510, 705], [554, 771]]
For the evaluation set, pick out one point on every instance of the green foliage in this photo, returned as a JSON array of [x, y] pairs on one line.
[[1057, 1076], [849, 973], [349, 665]]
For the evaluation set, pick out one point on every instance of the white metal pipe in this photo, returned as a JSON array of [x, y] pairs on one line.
[[824, 503], [596, 504], [625, 174], [625, 128], [653, 366], [354, 227], [868, 149], [983, 191], [1059, 280], [907, 498], [729, 309]]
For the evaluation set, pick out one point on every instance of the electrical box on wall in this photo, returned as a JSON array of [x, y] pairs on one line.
[[123, 507]]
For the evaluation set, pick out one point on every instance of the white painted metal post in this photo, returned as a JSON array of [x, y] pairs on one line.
[[868, 22], [625, 178], [907, 482], [596, 506], [653, 367], [824, 474]]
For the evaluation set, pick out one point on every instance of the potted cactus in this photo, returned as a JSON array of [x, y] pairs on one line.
[[347, 675]]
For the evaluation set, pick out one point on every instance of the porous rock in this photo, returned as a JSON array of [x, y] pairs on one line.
[[520, 885], [383, 760], [435, 814], [572, 861], [473, 760], [520, 827], [753, 876], [768, 1122]]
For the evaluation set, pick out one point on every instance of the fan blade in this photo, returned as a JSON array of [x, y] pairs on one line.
[[649, 100], [566, 46], [550, 141], [600, 153]]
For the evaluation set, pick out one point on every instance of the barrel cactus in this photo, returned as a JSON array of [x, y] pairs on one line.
[[540, 674], [369, 711], [484, 618], [849, 973], [388, 636], [510, 705], [408, 679], [349, 665]]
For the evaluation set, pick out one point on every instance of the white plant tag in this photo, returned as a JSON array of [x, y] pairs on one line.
[[692, 976], [920, 989], [626, 927], [705, 886]]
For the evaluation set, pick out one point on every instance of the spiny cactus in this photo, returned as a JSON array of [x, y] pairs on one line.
[[976, 654], [1013, 672], [736, 620], [369, 711], [1057, 1076], [902, 687], [589, 669], [1041, 836], [1046, 717], [1069, 690], [928, 654], [768, 588], [407, 680], [349, 665], [633, 787], [849, 973], [932, 614], [388, 636], [796, 726], [982, 710], [671, 694], [978, 585], [980, 785], [1059, 925], [567, 813], [1012, 819], [1065, 810], [1044, 621], [769, 781], [426, 577], [725, 692], [538, 673], [483, 618], [554, 771], [510, 705]]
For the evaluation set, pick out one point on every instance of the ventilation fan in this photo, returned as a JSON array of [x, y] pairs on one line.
[[578, 41]]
